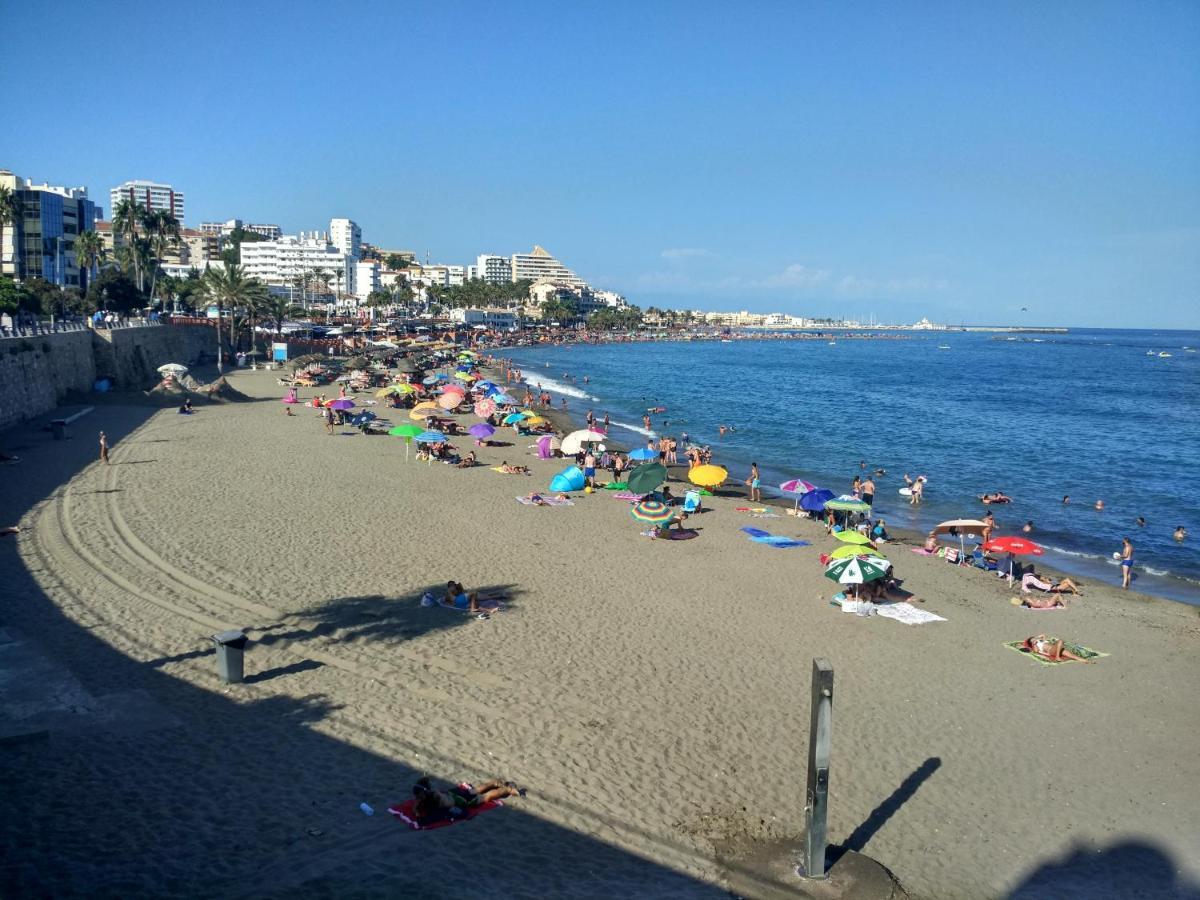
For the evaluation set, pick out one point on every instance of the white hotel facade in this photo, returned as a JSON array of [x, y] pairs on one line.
[[149, 195], [279, 263]]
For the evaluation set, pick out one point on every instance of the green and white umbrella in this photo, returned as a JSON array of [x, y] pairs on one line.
[[857, 569], [847, 504]]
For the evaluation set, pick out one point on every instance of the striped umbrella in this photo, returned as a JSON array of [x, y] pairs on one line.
[[797, 486], [845, 503], [653, 511], [857, 569], [430, 437], [484, 408]]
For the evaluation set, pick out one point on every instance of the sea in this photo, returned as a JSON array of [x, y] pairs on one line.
[[1091, 414]]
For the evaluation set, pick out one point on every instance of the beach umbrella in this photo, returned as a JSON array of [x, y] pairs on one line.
[[797, 486], [546, 445], [852, 537], [569, 479], [574, 441], [431, 379], [454, 389], [1017, 546], [505, 399], [707, 476], [857, 569], [484, 408], [645, 479], [430, 405], [847, 550], [481, 430], [362, 418], [814, 501], [173, 369], [465, 376], [430, 437], [420, 415], [846, 503], [961, 528], [653, 511], [406, 431], [449, 401], [485, 385], [513, 417], [643, 453], [342, 403], [536, 420]]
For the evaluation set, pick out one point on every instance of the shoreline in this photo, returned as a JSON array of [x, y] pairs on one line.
[[1092, 566]]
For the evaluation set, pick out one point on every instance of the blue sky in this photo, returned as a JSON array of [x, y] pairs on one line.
[[945, 159]]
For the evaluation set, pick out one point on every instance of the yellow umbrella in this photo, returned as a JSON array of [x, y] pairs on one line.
[[851, 537], [534, 420], [707, 476], [854, 550], [465, 376], [384, 392]]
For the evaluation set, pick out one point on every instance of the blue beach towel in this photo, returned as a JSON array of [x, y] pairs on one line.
[[778, 541]]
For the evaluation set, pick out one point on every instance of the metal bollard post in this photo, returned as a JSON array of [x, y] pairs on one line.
[[816, 807]]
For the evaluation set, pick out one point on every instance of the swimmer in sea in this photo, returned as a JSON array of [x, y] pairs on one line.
[[1141, 522], [721, 429], [1066, 499], [1099, 504], [1027, 527], [1180, 534]]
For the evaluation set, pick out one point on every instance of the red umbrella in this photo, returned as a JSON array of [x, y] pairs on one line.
[[1018, 546]]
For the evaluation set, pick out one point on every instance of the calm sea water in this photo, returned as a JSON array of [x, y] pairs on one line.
[[1090, 414]]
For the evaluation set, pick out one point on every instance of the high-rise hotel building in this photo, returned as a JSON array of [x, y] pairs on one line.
[[154, 197]]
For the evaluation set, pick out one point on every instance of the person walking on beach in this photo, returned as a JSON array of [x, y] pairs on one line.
[[868, 491], [989, 525], [1126, 562], [328, 416], [753, 481], [103, 448], [589, 469]]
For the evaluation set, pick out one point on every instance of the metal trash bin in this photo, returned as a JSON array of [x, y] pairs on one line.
[[58, 429], [230, 647]]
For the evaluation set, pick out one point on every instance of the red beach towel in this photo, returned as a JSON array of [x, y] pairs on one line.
[[406, 812]]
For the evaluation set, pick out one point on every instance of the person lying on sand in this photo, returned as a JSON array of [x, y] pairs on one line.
[[513, 470], [467, 461], [1049, 648], [1038, 602], [452, 803], [456, 596], [1066, 586]]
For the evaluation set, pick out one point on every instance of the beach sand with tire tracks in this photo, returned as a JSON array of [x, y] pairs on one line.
[[652, 695]]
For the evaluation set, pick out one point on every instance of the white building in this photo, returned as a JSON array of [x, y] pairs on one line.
[[148, 194], [491, 318], [610, 298], [366, 279], [492, 269], [224, 229], [346, 236], [283, 261], [539, 265]]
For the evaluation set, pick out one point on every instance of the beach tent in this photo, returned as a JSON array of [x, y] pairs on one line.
[[546, 445], [569, 479]]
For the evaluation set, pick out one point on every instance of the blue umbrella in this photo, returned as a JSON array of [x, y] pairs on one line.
[[504, 399], [362, 419], [814, 501], [429, 379], [644, 453], [485, 385], [430, 437], [513, 417]]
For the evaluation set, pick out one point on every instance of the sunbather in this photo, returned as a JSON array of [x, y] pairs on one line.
[[513, 470], [1039, 602], [457, 596], [467, 461], [432, 803], [1066, 586], [1049, 648]]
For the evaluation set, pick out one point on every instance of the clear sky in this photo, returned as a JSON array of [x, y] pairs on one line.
[[956, 160]]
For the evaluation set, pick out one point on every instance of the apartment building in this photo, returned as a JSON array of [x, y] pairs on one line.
[[149, 195], [41, 242], [539, 265]]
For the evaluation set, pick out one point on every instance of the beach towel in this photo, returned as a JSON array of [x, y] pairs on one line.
[[672, 534], [750, 509], [907, 613], [627, 495], [484, 605], [778, 541], [921, 551], [500, 469], [1079, 649], [616, 486], [755, 532], [547, 501], [407, 812]]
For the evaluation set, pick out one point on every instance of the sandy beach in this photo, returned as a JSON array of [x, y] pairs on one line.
[[652, 695]]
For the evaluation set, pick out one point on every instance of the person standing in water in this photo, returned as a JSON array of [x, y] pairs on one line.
[[868, 491], [1126, 562]]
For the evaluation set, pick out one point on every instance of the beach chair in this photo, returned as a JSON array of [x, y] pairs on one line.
[[691, 502], [952, 556]]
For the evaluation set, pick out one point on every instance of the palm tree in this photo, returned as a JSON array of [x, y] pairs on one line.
[[89, 254], [163, 230], [10, 211], [229, 287], [277, 309], [129, 221]]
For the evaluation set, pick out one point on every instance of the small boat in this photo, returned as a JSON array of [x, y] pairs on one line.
[[833, 343], [1164, 355], [943, 346], [1149, 352], [726, 341]]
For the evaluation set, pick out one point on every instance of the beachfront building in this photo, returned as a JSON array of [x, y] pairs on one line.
[[366, 278], [539, 265], [40, 243], [346, 236], [488, 318], [492, 268], [226, 228], [285, 261], [149, 195]]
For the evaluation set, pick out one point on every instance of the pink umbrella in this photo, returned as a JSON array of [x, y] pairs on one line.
[[484, 408], [449, 401], [455, 389], [797, 486]]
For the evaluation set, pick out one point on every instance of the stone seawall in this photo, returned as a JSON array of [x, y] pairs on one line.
[[37, 373]]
